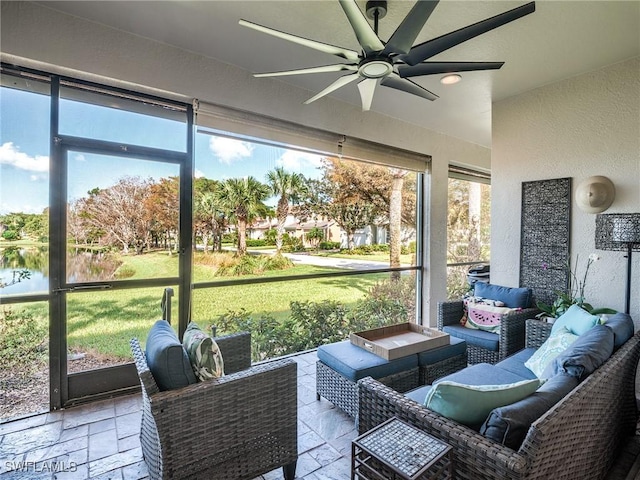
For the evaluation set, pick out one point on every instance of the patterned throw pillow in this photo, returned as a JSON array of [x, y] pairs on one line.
[[203, 352], [557, 343], [483, 313]]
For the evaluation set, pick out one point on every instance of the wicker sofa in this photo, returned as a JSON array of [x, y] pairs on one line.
[[238, 426], [577, 438]]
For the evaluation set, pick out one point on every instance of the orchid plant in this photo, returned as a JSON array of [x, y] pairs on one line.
[[574, 294]]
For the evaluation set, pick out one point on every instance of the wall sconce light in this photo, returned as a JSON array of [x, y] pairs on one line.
[[619, 231], [595, 194]]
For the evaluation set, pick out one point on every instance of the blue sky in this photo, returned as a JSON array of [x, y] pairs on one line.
[[24, 150]]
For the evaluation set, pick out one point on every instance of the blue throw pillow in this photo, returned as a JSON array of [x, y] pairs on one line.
[[167, 359], [584, 355], [622, 326], [511, 297], [576, 320]]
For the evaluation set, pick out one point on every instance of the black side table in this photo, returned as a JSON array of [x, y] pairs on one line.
[[394, 449]]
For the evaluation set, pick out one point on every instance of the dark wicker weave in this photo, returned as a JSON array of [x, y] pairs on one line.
[[235, 427], [343, 393], [428, 373], [576, 439], [512, 331]]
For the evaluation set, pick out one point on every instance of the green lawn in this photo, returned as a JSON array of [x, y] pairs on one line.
[[104, 321]]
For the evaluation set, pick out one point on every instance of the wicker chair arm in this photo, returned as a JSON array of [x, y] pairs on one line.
[[512, 331], [537, 332], [236, 351], [475, 456], [449, 313]]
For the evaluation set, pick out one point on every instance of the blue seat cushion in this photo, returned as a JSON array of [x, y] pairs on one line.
[[418, 394], [478, 338], [511, 297], [515, 363], [509, 424], [167, 359], [354, 363], [457, 346], [482, 374]]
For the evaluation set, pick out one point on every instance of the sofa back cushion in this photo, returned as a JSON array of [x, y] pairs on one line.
[[167, 359], [583, 356], [509, 424], [510, 296], [622, 326]]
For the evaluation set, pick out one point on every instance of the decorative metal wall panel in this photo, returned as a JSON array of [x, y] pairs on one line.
[[545, 234]]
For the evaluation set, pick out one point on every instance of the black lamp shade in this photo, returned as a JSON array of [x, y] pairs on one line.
[[618, 231], [626, 229]]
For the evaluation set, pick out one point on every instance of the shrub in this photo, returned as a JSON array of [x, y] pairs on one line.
[[244, 265], [265, 332], [329, 245], [316, 323], [124, 272], [292, 244], [23, 340], [10, 235], [402, 290], [257, 243]]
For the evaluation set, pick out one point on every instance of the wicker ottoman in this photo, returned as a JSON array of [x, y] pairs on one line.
[[442, 361], [340, 365]]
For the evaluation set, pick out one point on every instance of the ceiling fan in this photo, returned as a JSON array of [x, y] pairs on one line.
[[392, 63]]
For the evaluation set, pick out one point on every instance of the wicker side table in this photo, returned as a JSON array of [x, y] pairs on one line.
[[394, 449]]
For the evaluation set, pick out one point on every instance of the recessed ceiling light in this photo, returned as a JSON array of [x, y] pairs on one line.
[[450, 79]]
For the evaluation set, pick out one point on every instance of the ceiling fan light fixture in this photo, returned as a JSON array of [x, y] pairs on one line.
[[375, 69], [450, 79]]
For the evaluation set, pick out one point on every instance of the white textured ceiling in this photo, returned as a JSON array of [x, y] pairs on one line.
[[560, 39]]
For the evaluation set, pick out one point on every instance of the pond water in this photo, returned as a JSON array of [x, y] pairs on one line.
[[82, 266]]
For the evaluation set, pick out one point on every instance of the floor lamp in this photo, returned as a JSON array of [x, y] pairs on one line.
[[619, 231]]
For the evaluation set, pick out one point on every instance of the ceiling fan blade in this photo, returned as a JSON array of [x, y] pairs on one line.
[[323, 47], [405, 35], [404, 85], [367, 87], [341, 82], [324, 69], [431, 68], [430, 48], [367, 38]]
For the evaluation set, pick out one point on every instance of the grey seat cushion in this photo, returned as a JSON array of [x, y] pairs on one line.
[[509, 424], [515, 363], [482, 374], [167, 359]]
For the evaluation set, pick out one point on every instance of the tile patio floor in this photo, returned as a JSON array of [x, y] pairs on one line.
[[100, 441]]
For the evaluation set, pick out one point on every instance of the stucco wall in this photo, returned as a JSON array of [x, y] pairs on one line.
[[35, 36], [583, 126]]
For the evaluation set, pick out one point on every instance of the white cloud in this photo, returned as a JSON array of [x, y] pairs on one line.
[[38, 177], [198, 173], [80, 158], [296, 160], [11, 155], [229, 150]]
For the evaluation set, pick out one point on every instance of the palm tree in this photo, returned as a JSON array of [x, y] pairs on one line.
[[243, 198], [289, 186]]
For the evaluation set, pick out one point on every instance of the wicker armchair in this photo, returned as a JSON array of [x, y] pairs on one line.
[[510, 339], [238, 426]]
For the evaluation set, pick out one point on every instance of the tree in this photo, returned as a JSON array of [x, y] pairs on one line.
[[290, 187], [120, 211], [162, 208], [395, 219], [315, 236], [243, 199]]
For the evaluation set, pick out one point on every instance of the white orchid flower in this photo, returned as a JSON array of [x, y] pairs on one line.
[[594, 257]]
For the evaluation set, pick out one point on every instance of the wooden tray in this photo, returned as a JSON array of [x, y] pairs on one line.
[[399, 340]]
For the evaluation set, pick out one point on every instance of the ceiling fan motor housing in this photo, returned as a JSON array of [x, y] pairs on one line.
[[375, 67], [376, 6]]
